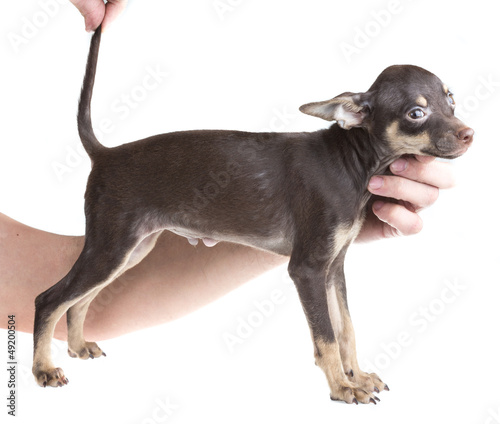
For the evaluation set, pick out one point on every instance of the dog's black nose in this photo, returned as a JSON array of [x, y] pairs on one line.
[[466, 135]]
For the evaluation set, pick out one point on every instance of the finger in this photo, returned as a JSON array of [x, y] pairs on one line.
[[373, 229], [92, 11], [113, 9], [419, 194], [399, 220], [425, 159], [432, 172]]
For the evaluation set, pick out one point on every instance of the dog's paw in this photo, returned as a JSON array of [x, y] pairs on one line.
[[344, 392], [349, 393], [367, 382], [88, 350], [53, 377]]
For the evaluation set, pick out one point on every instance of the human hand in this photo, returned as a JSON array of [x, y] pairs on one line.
[[415, 185], [95, 12]]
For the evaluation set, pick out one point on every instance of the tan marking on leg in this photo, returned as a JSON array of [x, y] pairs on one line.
[[343, 328], [346, 340], [421, 101], [141, 251], [77, 345], [327, 356], [345, 234], [329, 360], [43, 368], [334, 310], [347, 347], [401, 143]]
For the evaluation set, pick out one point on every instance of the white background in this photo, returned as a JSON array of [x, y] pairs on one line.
[[244, 68]]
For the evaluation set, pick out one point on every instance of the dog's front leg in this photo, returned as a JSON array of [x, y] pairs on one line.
[[344, 330], [310, 277]]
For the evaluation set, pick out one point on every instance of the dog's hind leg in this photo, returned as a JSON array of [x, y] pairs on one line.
[[75, 317], [107, 251], [77, 345]]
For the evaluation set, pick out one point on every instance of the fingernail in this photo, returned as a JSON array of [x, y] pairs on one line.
[[399, 165], [378, 205], [376, 182]]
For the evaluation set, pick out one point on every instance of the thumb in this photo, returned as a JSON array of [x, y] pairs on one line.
[[92, 11], [113, 9]]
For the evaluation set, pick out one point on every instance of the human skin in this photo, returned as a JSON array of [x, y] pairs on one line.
[[177, 278], [95, 12]]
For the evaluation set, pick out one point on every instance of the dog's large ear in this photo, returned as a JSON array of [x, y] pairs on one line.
[[348, 109]]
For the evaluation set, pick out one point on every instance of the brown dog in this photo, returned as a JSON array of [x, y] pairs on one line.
[[303, 195]]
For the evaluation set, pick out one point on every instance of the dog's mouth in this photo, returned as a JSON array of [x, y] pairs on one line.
[[455, 154], [445, 155], [452, 146]]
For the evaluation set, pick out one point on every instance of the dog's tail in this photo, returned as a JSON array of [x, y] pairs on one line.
[[89, 140]]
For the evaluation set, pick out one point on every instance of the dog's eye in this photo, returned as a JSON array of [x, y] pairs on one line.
[[416, 113], [451, 99]]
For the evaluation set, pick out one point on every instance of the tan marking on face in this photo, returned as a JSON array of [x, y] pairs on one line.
[[421, 101], [406, 144], [445, 89]]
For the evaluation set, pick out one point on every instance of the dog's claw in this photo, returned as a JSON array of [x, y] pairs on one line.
[[375, 389], [354, 400], [91, 356], [103, 354], [386, 387], [376, 398], [373, 401], [44, 384]]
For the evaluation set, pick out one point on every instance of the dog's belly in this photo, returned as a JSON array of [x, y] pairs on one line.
[[278, 243]]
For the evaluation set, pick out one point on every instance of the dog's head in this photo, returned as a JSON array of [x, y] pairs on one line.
[[408, 108]]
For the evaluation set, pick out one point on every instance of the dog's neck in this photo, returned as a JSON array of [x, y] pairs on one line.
[[361, 154]]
